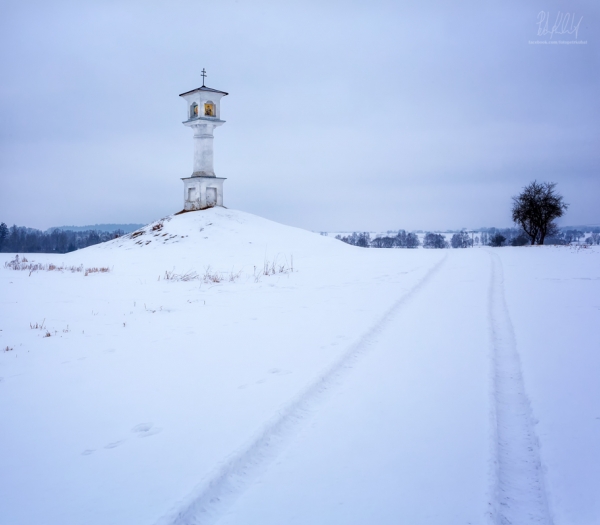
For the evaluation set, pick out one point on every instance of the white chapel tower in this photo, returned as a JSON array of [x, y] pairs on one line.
[[203, 189]]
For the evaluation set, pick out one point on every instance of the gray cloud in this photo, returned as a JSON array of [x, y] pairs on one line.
[[341, 115]]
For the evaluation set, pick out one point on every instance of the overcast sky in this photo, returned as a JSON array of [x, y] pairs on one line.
[[369, 115]]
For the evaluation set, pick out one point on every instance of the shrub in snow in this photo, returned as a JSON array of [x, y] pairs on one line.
[[520, 240], [497, 240], [557, 240]]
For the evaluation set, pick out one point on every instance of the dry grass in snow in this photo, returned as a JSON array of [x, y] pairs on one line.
[[24, 264]]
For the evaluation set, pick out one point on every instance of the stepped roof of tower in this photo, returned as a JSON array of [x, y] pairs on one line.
[[204, 88]]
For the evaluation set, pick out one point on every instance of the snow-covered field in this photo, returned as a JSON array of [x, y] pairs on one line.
[[341, 385]]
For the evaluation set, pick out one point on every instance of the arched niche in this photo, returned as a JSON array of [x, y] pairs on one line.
[[209, 109], [194, 110]]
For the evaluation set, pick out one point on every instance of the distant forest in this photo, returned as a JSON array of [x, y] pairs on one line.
[[127, 228], [19, 239], [466, 239]]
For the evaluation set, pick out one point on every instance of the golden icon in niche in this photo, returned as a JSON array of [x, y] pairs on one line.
[[209, 110], [195, 110]]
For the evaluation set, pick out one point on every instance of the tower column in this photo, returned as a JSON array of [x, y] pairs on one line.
[[203, 150]]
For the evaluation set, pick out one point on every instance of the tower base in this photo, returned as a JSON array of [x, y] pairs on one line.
[[200, 193]]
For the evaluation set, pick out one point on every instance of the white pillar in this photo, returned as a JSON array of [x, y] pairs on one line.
[[203, 150]]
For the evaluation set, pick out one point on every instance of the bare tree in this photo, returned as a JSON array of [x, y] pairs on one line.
[[383, 242], [435, 240], [594, 238], [461, 240], [573, 236], [406, 240], [412, 241], [536, 208]]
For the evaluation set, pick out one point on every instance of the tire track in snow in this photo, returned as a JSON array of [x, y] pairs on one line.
[[520, 495], [210, 499]]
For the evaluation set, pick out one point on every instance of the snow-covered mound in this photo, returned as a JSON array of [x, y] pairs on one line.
[[217, 237]]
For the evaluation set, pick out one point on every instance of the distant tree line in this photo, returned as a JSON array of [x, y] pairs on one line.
[[517, 237], [495, 237], [127, 228], [534, 211], [19, 239], [400, 240]]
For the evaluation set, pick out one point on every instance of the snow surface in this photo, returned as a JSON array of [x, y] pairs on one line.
[[365, 386]]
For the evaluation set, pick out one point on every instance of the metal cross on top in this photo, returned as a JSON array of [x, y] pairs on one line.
[[203, 76]]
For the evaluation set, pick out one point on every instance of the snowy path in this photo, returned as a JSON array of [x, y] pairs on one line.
[[216, 494], [520, 492], [403, 436], [553, 297]]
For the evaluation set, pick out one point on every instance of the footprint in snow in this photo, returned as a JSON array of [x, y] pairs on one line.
[[146, 430], [114, 444], [87, 452], [280, 372]]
